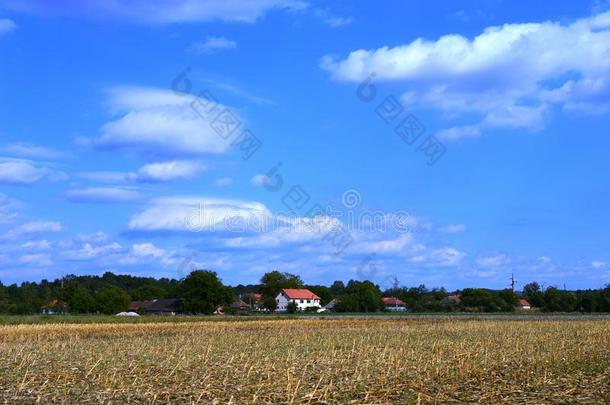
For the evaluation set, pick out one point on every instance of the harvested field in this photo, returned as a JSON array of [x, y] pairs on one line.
[[308, 361]]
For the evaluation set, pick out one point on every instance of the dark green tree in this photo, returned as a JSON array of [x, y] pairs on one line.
[[292, 307], [111, 300], [82, 302], [274, 281], [202, 291]]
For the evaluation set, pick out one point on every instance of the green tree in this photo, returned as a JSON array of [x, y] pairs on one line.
[[361, 296], [274, 281], [292, 307], [111, 300], [82, 301], [202, 291], [533, 294], [270, 303], [149, 291]]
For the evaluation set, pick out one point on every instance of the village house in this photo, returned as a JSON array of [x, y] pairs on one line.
[[302, 297], [55, 307], [170, 306], [394, 304], [524, 305]]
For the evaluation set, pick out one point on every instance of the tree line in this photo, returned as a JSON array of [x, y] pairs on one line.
[[202, 291]]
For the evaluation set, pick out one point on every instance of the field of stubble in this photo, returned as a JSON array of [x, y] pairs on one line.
[[360, 361]]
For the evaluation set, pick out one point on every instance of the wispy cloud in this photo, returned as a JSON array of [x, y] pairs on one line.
[[223, 181], [6, 26], [103, 195], [159, 11], [24, 172], [211, 45]]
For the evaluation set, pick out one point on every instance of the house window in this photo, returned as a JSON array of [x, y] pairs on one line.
[[308, 301], [301, 301]]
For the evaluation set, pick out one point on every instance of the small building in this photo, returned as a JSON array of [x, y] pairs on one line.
[[524, 305], [240, 305], [454, 299], [170, 306], [332, 304], [302, 297], [394, 304], [55, 307]]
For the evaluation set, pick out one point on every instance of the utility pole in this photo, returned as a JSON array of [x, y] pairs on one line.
[[513, 282]]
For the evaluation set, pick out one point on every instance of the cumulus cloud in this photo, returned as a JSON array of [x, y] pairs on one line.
[[146, 252], [598, 264], [23, 172], [102, 195], [195, 214], [158, 122], [159, 172], [211, 45], [441, 257], [160, 11], [6, 26], [167, 171], [259, 180], [493, 261], [510, 76]]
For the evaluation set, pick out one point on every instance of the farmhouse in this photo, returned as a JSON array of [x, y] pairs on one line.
[[394, 304], [169, 306], [524, 305], [55, 307], [302, 297]]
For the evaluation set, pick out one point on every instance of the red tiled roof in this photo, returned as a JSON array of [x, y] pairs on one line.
[[299, 294], [523, 303], [393, 301]]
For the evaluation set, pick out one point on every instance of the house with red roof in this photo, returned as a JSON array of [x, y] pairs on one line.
[[524, 305], [302, 297], [394, 304]]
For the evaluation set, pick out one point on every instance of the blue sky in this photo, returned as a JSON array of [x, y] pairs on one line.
[[107, 164]]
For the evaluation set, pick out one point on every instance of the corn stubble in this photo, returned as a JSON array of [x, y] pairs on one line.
[[360, 361]]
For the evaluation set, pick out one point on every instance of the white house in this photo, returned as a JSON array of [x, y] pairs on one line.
[[300, 296]]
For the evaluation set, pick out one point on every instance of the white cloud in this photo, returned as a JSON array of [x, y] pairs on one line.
[[36, 245], [456, 228], [159, 122], [195, 214], [102, 195], [22, 172], [89, 251], [146, 252], [6, 26], [212, 44], [259, 180], [442, 257], [167, 171], [35, 227], [223, 182], [510, 76], [396, 245], [598, 264], [160, 172], [493, 261], [160, 11], [28, 150], [336, 22]]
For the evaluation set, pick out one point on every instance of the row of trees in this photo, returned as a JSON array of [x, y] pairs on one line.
[[201, 291]]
